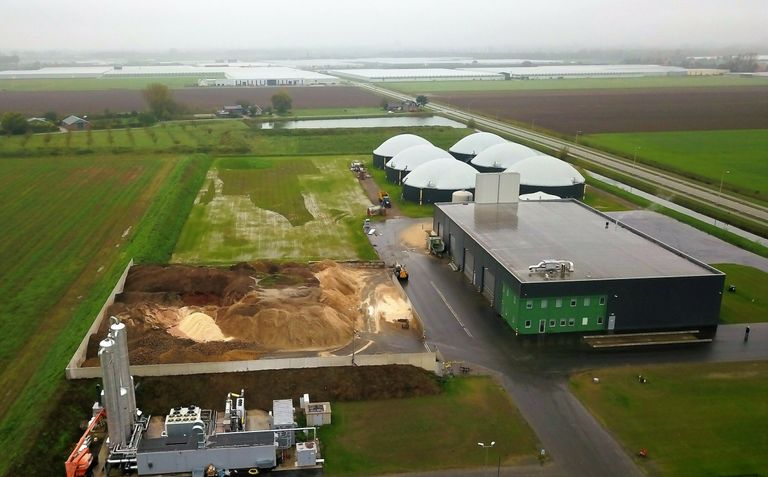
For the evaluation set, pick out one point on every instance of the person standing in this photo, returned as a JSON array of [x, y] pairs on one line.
[[746, 334]]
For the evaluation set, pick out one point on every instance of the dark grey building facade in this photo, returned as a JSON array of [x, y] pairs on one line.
[[622, 280]]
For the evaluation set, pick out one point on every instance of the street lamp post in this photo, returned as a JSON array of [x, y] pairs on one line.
[[486, 447], [720, 191], [634, 165]]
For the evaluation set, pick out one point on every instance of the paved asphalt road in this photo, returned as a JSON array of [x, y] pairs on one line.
[[694, 242], [463, 327], [673, 184]]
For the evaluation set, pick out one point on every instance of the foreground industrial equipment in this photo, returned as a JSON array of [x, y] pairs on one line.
[[189, 439]]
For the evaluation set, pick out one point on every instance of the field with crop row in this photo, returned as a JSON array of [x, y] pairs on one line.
[[622, 110], [703, 155], [298, 208], [425, 87], [70, 224], [218, 136], [205, 100]]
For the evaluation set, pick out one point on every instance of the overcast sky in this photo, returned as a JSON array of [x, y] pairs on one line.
[[390, 24]]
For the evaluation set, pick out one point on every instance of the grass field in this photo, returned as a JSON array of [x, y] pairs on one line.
[[91, 84], [219, 136], [427, 433], [704, 155], [605, 201], [695, 420], [302, 208], [749, 303], [586, 83], [70, 226]]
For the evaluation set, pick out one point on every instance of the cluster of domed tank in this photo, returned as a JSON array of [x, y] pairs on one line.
[[430, 174]]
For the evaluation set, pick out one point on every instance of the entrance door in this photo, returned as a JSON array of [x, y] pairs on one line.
[[542, 326], [469, 265], [452, 246], [488, 284], [611, 322]]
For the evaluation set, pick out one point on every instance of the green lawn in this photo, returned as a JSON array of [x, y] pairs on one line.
[[695, 420], [419, 87], [301, 207], [749, 303], [70, 225], [88, 84], [605, 201], [427, 433], [703, 155]]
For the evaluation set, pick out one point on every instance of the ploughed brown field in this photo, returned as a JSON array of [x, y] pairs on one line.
[[205, 100], [635, 110]]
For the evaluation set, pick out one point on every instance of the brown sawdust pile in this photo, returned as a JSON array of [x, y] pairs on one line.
[[415, 236], [180, 313]]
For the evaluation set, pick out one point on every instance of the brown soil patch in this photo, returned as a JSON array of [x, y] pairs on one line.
[[195, 99], [182, 313], [631, 110], [415, 236]]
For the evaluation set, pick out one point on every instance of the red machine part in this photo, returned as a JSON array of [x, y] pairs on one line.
[[80, 459]]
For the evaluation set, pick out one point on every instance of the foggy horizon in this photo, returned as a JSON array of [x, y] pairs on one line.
[[345, 27]]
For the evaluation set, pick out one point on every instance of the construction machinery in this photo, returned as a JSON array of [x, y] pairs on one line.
[[81, 461], [400, 272], [384, 199], [435, 244]]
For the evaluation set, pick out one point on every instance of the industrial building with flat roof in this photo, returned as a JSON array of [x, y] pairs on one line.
[[561, 266], [584, 71], [230, 74], [415, 74]]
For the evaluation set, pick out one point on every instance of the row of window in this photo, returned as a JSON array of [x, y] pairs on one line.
[[568, 322], [559, 302]]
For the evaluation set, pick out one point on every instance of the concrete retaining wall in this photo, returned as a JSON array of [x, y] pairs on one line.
[[79, 356], [426, 360]]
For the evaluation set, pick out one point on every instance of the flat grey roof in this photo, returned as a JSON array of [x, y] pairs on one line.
[[523, 234], [226, 439]]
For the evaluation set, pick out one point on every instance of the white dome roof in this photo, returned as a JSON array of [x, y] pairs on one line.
[[445, 174], [503, 155], [476, 143], [411, 158], [395, 144], [538, 195], [546, 171]]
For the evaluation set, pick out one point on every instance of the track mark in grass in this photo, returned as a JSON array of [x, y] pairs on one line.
[[270, 188]]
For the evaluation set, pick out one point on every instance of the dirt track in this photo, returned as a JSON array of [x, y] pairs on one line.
[[196, 99], [179, 313], [636, 110]]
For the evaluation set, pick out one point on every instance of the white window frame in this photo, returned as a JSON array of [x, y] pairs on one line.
[[527, 323], [584, 321]]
